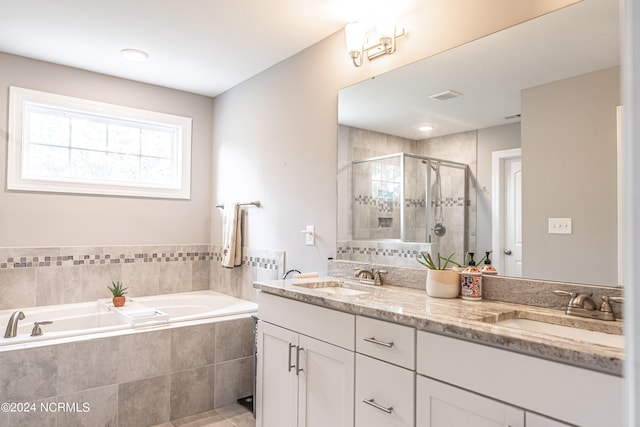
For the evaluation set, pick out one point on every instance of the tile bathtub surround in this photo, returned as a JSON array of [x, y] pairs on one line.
[[538, 293], [62, 275], [140, 379]]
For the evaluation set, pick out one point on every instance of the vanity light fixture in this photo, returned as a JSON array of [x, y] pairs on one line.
[[135, 55], [383, 42]]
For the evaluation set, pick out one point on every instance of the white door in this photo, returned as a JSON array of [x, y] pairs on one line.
[[513, 217], [507, 212], [326, 386], [441, 405], [277, 386]]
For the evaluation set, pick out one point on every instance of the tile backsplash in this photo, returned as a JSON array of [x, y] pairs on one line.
[[61, 275]]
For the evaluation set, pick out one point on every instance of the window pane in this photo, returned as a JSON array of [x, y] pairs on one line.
[[48, 129], [124, 139], [122, 167], [156, 171], [88, 164], [88, 134], [157, 143], [46, 161]]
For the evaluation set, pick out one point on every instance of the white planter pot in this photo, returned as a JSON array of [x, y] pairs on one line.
[[443, 283]]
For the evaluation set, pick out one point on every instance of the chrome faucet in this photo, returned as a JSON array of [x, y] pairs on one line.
[[12, 326], [582, 305]]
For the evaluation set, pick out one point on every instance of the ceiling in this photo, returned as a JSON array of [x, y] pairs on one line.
[[200, 46], [489, 72]]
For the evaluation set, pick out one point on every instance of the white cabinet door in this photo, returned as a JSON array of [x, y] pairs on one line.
[[535, 420], [441, 405], [277, 383], [326, 384], [384, 394]]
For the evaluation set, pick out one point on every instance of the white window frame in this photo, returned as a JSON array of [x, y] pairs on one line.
[[16, 180]]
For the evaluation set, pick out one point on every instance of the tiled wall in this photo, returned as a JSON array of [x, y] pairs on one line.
[[380, 252], [61, 275], [136, 380]]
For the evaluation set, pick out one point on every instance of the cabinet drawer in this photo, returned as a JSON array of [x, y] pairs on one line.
[[389, 390], [390, 342], [334, 327]]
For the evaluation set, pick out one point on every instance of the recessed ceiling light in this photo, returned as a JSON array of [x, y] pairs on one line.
[[426, 128], [136, 55]]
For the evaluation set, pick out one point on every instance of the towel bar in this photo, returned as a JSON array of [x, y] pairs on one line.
[[255, 203]]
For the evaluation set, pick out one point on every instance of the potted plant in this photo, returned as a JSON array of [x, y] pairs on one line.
[[117, 290], [443, 281]]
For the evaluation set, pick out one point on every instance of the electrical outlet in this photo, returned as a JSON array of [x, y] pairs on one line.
[[560, 226]]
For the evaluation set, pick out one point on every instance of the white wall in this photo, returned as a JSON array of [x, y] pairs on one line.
[[40, 219], [275, 135]]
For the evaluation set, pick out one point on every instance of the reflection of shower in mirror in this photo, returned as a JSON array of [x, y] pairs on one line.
[[409, 198]]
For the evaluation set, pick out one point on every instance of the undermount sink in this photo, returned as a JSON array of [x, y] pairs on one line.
[[609, 333], [331, 287]]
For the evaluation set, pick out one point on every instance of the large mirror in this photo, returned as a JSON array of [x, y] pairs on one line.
[[521, 160]]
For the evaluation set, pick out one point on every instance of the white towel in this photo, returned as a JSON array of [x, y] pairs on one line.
[[231, 236]]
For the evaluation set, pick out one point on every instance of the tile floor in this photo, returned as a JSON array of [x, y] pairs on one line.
[[233, 415]]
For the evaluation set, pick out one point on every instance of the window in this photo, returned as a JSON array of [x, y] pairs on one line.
[[63, 144]]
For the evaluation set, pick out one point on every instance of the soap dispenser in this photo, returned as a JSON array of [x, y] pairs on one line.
[[487, 268], [471, 281]]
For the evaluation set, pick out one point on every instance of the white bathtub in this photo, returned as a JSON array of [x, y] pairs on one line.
[[91, 318]]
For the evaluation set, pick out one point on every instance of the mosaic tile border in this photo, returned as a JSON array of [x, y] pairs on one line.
[[386, 252], [45, 261]]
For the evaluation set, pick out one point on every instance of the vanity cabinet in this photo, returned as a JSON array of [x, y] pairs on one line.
[[561, 392], [442, 405], [305, 375]]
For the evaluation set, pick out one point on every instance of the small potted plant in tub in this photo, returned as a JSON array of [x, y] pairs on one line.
[[443, 281], [117, 290]]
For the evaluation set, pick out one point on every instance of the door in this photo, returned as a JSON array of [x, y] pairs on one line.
[[506, 214], [326, 384], [277, 383], [513, 217], [442, 405]]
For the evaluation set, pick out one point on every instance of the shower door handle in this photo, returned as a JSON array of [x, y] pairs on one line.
[[507, 252]]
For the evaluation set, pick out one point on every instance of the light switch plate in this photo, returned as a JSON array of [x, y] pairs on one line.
[[560, 226], [310, 235]]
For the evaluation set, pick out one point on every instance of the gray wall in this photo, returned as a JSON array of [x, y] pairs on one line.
[[569, 170], [40, 219]]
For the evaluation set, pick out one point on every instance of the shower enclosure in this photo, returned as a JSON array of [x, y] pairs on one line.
[[410, 198]]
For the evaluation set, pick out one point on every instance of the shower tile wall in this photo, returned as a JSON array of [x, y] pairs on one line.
[[61, 275]]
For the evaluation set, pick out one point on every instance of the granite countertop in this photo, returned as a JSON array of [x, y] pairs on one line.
[[469, 320]]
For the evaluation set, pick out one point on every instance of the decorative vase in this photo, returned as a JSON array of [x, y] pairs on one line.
[[118, 301], [443, 283]]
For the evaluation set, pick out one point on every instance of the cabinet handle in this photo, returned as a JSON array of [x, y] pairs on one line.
[[375, 341], [375, 405], [298, 368], [290, 366]]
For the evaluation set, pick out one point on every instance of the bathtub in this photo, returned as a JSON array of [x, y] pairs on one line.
[[93, 319]]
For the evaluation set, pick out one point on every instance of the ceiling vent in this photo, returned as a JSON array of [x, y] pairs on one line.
[[446, 95]]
